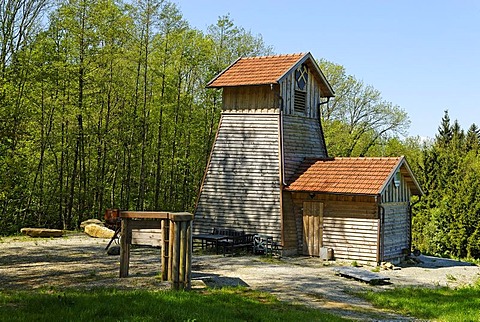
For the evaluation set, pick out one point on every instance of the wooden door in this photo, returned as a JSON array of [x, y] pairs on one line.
[[312, 228]]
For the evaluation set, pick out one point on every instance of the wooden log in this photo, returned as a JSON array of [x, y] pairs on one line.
[[176, 256], [171, 239], [182, 254], [188, 259]]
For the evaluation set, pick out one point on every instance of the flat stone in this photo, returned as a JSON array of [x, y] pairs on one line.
[[41, 232], [361, 275]]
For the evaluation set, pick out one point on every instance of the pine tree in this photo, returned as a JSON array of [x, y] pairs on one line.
[[472, 140], [445, 132]]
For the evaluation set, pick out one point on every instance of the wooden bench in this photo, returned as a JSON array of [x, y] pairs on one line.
[[237, 241], [228, 240]]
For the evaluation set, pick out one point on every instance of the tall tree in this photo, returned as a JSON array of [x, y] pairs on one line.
[[472, 140], [445, 131], [357, 118]]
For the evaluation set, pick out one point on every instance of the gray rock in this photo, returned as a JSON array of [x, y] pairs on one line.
[[113, 250]]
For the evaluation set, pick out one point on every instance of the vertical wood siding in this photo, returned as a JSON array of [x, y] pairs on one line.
[[241, 189], [312, 228], [287, 90], [396, 194]]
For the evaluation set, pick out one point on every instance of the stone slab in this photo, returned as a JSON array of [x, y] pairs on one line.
[[361, 275]]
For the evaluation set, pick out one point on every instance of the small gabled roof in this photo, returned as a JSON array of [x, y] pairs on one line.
[[266, 70], [366, 176]]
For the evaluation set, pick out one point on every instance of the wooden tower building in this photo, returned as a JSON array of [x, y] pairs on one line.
[[270, 135]]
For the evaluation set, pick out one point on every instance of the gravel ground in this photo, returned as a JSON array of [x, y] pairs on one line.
[[80, 261]]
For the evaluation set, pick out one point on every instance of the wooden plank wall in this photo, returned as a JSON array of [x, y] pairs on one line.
[[396, 231], [290, 233], [150, 237], [287, 90], [351, 238], [302, 138], [251, 99], [242, 185], [350, 225], [396, 194]]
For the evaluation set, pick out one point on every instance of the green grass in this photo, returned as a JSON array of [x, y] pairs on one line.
[[228, 304], [439, 304]]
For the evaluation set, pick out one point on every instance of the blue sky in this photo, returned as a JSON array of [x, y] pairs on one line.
[[422, 55]]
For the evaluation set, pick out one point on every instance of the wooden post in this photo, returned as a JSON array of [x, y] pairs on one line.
[[189, 251], [188, 255], [183, 244], [171, 238], [176, 241], [165, 248], [176, 256], [124, 248]]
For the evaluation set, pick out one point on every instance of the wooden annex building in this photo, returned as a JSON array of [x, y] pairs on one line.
[[269, 171]]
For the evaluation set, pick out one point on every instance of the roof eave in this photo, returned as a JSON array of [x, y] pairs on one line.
[[209, 84], [331, 193], [402, 162], [303, 59], [240, 85]]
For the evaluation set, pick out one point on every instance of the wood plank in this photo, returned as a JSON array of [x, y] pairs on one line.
[[147, 237], [349, 239], [144, 214], [352, 248]]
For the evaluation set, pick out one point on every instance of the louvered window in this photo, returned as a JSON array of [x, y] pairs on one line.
[[300, 101]]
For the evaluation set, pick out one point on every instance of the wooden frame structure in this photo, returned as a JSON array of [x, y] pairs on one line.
[[175, 241], [264, 176]]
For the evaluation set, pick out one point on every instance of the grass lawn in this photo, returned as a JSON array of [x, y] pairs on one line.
[[228, 304], [439, 304]]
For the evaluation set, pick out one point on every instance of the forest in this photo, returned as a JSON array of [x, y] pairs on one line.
[[103, 104]]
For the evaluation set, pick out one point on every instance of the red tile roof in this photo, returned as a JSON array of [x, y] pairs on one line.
[[345, 175], [256, 70]]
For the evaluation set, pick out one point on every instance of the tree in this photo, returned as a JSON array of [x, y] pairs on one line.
[[358, 115], [472, 140], [448, 215], [445, 131], [18, 26], [232, 42]]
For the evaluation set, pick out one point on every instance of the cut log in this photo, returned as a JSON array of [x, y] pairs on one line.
[[97, 231], [41, 232], [89, 222]]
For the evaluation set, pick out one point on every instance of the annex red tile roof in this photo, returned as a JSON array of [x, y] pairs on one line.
[[256, 70], [345, 175]]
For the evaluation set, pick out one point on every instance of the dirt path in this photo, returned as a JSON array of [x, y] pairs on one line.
[[81, 262]]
